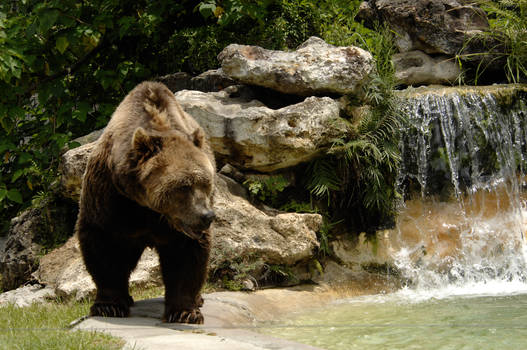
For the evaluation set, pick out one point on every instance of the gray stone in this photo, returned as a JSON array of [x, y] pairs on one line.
[[27, 295], [21, 251], [228, 315], [242, 230], [252, 136], [212, 80], [314, 68], [72, 166], [432, 26], [418, 68], [63, 270], [42, 225]]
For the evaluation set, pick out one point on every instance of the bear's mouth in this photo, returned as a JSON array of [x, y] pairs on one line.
[[191, 233], [186, 230]]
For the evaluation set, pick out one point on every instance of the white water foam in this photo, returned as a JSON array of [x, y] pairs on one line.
[[475, 244]]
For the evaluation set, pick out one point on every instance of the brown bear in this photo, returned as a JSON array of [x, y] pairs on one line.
[[148, 183]]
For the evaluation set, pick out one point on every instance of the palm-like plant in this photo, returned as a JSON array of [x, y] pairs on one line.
[[358, 173]]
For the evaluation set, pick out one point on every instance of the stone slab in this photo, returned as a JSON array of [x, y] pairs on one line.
[[231, 319]]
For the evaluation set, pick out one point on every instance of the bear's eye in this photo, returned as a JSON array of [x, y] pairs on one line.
[[185, 188]]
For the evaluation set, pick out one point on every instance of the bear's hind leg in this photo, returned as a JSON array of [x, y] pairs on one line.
[[184, 268], [109, 263]]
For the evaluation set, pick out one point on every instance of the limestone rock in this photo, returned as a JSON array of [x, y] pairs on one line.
[[32, 230], [418, 68], [252, 136], [432, 26], [27, 295], [21, 251], [72, 166], [241, 230], [363, 252], [357, 282], [314, 68], [63, 270], [212, 80], [73, 162]]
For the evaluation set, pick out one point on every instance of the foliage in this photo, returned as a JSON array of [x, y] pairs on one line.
[[358, 173], [64, 65], [45, 326], [267, 188], [233, 273], [507, 37], [324, 236], [298, 207]]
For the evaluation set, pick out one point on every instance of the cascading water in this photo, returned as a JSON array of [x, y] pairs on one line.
[[463, 155], [459, 237]]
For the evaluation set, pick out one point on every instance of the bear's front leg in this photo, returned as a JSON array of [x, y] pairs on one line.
[[184, 267], [110, 262]]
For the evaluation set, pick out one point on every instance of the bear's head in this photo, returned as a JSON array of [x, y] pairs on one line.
[[174, 177]]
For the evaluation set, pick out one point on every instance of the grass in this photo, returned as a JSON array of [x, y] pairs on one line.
[[45, 326]]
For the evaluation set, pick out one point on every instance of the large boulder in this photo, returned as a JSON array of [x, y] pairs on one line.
[[63, 271], [20, 256], [432, 26], [418, 68], [252, 136], [314, 68], [73, 162], [46, 224], [72, 166], [27, 295], [211, 80], [242, 230]]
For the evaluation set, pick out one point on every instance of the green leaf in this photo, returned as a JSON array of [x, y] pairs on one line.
[[62, 44], [81, 112], [47, 19], [17, 112], [25, 158], [124, 25], [17, 175], [207, 9], [14, 196], [3, 193], [73, 144], [7, 124]]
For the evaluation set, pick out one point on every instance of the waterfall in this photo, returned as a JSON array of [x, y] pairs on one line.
[[462, 176]]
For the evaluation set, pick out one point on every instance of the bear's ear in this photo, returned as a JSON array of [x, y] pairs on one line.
[[198, 137], [145, 144]]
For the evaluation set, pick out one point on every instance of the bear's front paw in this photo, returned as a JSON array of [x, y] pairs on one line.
[[184, 316], [107, 309]]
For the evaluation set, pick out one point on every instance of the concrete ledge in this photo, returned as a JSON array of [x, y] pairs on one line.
[[230, 320]]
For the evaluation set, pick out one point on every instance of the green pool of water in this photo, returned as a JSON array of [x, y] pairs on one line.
[[394, 322]]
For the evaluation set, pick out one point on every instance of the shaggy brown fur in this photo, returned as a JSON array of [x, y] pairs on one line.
[[148, 182]]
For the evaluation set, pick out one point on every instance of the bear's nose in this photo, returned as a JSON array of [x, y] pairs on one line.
[[207, 218]]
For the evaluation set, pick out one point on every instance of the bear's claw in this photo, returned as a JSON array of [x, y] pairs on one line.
[[199, 301], [184, 316], [109, 310]]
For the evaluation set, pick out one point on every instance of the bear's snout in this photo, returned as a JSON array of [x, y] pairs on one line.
[[207, 219]]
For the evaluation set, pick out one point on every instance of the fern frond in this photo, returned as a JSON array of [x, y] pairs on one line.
[[323, 177]]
